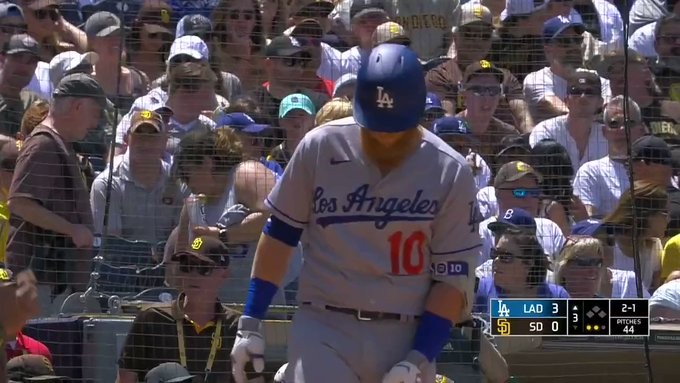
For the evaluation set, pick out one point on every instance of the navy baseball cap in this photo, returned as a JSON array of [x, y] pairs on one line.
[[589, 227], [390, 90], [450, 126], [197, 25], [651, 149], [432, 101], [514, 219], [557, 25], [241, 122]]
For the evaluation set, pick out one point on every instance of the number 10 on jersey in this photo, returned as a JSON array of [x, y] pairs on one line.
[[406, 252]]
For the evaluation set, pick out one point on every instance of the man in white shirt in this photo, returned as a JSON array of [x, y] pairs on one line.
[[546, 89], [577, 131], [600, 183]]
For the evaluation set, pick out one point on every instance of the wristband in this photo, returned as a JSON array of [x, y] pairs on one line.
[[260, 296], [432, 334]]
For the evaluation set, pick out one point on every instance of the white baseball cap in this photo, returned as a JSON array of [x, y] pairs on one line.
[[189, 45], [522, 7], [65, 62]]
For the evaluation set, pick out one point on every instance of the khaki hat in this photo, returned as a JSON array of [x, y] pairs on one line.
[[513, 171], [31, 368], [390, 32], [604, 63], [475, 13], [147, 117]]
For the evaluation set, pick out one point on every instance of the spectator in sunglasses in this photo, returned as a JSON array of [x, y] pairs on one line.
[[517, 187], [519, 265], [578, 131], [365, 18], [11, 22], [45, 24], [150, 38], [238, 40], [582, 271], [481, 91], [600, 183], [546, 89]]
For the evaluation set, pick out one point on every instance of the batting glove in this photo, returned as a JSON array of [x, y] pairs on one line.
[[248, 347], [407, 370]]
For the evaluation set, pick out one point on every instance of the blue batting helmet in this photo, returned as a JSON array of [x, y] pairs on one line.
[[390, 90]]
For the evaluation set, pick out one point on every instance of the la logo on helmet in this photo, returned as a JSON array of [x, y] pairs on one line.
[[384, 100]]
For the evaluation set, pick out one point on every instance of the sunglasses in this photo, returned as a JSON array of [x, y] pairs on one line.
[[505, 257], [524, 192], [190, 85], [587, 262], [471, 34], [481, 90], [183, 58], [189, 263], [618, 124], [51, 13], [567, 41], [576, 91], [13, 29], [241, 14], [300, 61], [669, 39]]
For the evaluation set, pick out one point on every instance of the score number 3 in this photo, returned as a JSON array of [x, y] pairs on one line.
[[406, 254]]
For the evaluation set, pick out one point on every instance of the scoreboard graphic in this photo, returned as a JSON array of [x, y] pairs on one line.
[[569, 317]]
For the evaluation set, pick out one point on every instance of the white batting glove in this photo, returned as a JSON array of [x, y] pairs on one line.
[[407, 370], [248, 347]]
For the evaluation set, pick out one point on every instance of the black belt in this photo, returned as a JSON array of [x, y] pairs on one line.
[[363, 315]]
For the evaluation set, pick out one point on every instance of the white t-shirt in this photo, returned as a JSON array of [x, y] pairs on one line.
[[650, 262], [330, 67], [351, 59], [548, 233], [40, 83], [623, 285], [543, 83], [487, 202], [642, 41], [667, 295], [483, 176], [556, 129], [600, 183]]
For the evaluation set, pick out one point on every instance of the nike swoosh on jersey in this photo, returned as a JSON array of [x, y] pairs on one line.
[[335, 162]]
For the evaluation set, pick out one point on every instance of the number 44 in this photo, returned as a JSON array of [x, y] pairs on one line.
[[629, 329]]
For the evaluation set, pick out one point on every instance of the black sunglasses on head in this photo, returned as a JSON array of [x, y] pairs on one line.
[[577, 91], [506, 257]]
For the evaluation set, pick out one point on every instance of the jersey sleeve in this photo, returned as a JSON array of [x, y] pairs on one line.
[[291, 198], [455, 242]]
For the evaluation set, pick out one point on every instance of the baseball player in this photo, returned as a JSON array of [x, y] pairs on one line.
[[390, 252]]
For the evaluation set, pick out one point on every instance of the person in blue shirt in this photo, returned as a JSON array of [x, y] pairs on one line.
[[520, 265]]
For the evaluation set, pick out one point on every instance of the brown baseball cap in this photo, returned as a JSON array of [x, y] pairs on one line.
[[147, 117], [390, 32], [482, 67], [207, 249], [156, 17], [513, 171], [31, 368]]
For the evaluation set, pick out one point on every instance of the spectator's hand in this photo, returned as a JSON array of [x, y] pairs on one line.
[[578, 209], [206, 231], [81, 236], [20, 302]]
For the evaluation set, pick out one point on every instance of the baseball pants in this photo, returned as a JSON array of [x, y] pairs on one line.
[[332, 347]]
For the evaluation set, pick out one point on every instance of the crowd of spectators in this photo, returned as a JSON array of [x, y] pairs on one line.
[[114, 114]]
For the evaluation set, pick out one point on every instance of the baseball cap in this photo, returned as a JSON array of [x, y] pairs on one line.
[[241, 122], [513, 171], [189, 45], [307, 28], [432, 101], [557, 25], [651, 149], [451, 126], [514, 219], [589, 227], [156, 17], [147, 117], [475, 13], [6, 275], [312, 8], [283, 46], [585, 79], [390, 32], [296, 101], [347, 79], [514, 143], [522, 7], [604, 63], [21, 43], [482, 66], [80, 85], [206, 249], [361, 8], [197, 25], [69, 62], [170, 372], [102, 24], [31, 368], [10, 10]]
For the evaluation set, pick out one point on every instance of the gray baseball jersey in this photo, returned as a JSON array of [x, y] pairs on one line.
[[376, 243], [428, 22]]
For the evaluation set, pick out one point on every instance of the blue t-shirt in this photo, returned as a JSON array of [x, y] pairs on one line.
[[487, 289]]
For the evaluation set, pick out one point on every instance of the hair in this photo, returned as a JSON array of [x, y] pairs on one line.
[[335, 109], [552, 160], [34, 115], [222, 145], [649, 199], [248, 105], [531, 248], [574, 247], [615, 105], [190, 73]]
